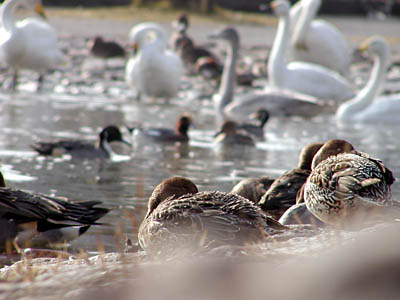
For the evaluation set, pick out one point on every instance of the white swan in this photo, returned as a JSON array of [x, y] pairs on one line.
[[367, 106], [277, 103], [27, 44], [317, 41], [301, 77], [154, 70]]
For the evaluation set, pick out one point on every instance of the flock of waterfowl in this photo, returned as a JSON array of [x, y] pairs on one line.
[[308, 66]]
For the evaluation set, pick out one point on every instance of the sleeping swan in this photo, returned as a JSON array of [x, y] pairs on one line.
[[154, 70], [276, 102], [367, 106], [317, 41], [27, 44], [302, 77]]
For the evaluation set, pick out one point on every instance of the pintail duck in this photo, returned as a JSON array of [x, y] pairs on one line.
[[81, 148], [253, 188], [179, 134], [105, 49], [346, 186], [257, 130], [229, 135], [33, 219], [179, 215], [282, 193]]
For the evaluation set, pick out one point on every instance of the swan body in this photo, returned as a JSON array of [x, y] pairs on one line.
[[276, 102], [302, 77], [367, 106], [27, 44], [154, 70], [317, 41]]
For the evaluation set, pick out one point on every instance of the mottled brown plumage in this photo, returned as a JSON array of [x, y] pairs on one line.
[[282, 193], [253, 188], [345, 185], [179, 216]]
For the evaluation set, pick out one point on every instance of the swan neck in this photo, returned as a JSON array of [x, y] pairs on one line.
[[307, 14], [276, 62], [228, 80], [370, 91], [7, 17]]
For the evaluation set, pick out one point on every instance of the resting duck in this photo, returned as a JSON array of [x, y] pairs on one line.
[[281, 195], [229, 135], [180, 216], [82, 148], [179, 134], [346, 186], [253, 188], [32, 219], [105, 49]]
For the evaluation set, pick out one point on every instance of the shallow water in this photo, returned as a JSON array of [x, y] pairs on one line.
[[80, 99]]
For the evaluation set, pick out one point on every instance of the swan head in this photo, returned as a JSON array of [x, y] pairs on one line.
[[280, 7], [374, 45], [147, 32], [38, 7], [228, 34]]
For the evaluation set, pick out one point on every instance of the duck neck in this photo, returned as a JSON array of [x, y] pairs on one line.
[[308, 10], [228, 81], [370, 91], [276, 62], [104, 145], [264, 121], [7, 16]]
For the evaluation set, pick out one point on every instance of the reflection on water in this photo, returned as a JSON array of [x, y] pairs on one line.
[[125, 183]]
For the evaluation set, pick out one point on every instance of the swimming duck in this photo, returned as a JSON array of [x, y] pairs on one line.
[[276, 102], [303, 77], [253, 188], [153, 70], [229, 135], [27, 44], [82, 148], [179, 134], [105, 49], [346, 186], [281, 195], [33, 219], [180, 216], [261, 115]]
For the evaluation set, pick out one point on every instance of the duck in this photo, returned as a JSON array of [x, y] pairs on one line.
[[81, 148], [346, 187], [303, 77], [179, 34], [368, 106], [256, 130], [253, 188], [230, 135], [154, 70], [32, 219], [168, 135], [282, 193], [30, 43], [105, 49], [276, 102], [179, 216], [317, 41]]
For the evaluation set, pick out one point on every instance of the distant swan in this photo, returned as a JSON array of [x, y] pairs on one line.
[[317, 41], [301, 77], [27, 44], [277, 103], [366, 107], [154, 70]]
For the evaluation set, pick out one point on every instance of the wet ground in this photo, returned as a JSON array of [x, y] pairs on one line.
[[79, 99]]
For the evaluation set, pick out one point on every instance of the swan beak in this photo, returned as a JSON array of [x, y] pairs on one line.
[[39, 10], [135, 48], [364, 47]]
